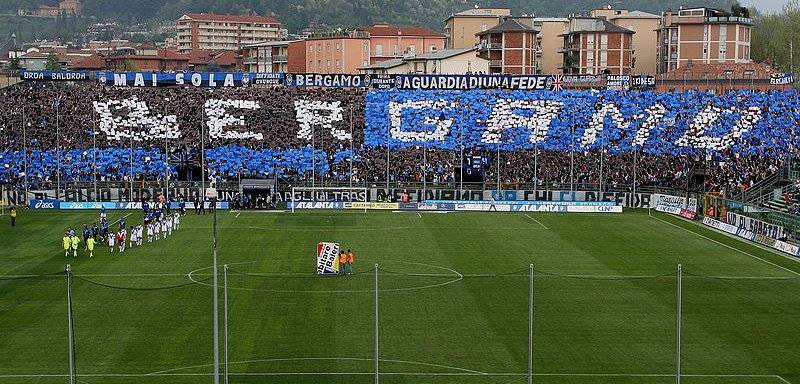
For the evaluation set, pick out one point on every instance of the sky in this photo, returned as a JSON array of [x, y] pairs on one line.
[[766, 6]]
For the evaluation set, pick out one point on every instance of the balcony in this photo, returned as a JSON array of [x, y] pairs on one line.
[[495, 63], [490, 46], [570, 47], [729, 19], [280, 59]]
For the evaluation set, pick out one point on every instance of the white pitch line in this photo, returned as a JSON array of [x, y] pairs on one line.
[[728, 246], [432, 374], [238, 213], [418, 214], [537, 221]]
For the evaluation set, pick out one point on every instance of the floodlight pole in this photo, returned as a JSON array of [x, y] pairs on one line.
[[376, 326], [216, 306], [678, 327], [70, 328], [225, 317], [530, 325]]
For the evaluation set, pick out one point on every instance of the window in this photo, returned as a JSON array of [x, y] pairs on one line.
[[412, 49], [433, 48], [365, 63], [379, 50], [705, 32], [604, 41], [328, 63], [395, 49], [723, 33], [603, 58], [365, 47], [319, 47], [338, 46], [328, 47], [338, 63], [590, 42]]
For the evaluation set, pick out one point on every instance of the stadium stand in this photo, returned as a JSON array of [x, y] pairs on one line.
[[735, 139]]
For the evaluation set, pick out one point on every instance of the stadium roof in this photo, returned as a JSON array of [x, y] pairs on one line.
[[441, 54], [386, 64]]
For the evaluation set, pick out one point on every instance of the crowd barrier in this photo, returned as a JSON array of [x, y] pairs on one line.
[[460, 205], [51, 204]]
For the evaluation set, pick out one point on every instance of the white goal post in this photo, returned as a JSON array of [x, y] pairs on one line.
[[329, 195]]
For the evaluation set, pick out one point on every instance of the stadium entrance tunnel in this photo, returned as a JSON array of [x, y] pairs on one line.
[[288, 277]]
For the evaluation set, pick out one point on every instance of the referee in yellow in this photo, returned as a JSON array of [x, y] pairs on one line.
[[13, 214]]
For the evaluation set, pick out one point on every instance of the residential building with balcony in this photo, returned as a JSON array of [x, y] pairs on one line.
[[208, 31], [510, 47], [395, 42], [594, 46], [461, 28], [702, 36], [549, 42], [645, 26], [267, 57]]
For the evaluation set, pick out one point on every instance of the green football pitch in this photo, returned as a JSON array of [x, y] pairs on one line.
[[453, 301]]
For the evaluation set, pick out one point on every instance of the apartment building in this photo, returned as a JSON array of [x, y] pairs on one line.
[[550, 40], [394, 42], [510, 48], [461, 28], [702, 36], [330, 54], [209, 31], [645, 26], [594, 46], [267, 57]]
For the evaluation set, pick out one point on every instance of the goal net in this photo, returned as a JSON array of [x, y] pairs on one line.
[[329, 198]]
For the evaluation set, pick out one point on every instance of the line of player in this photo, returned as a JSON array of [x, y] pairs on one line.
[[158, 224]]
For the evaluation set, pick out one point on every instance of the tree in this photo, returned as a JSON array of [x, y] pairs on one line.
[[13, 65], [52, 63], [737, 10]]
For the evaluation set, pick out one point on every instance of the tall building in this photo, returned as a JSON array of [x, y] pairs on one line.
[[510, 48], [208, 31], [702, 36], [594, 46], [394, 42], [461, 29], [550, 40], [645, 39]]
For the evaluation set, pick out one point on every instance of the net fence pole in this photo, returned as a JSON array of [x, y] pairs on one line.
[[70, 328], [216, 306], [377, 354], [293, 203], [225, 317], [678, 326], [530, 325]]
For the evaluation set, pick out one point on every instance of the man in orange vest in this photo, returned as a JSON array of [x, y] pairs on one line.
[[350, 258], [342, 262]]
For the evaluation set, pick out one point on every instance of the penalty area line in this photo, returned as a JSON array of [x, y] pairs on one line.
[[537, 221]]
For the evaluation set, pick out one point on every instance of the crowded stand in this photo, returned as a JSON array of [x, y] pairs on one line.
[[89, 132]]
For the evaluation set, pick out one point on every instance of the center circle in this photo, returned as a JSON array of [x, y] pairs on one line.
[[452, 275]]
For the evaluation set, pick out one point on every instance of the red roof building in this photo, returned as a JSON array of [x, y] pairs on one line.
[[388, 42]]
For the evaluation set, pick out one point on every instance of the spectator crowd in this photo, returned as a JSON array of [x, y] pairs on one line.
[[85, 132]]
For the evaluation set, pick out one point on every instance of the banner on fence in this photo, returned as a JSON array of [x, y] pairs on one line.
[[756, 226], [750, 235], [44, 204], [327, 258]]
